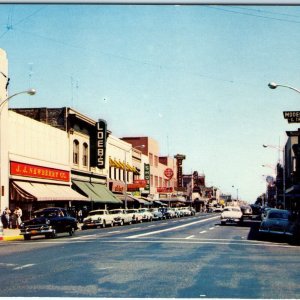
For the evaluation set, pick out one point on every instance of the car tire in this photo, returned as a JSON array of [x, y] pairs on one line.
[[223, 223], [27, 237]]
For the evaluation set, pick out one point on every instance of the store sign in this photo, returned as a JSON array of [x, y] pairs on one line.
[[147, 176], [292, 116], [164, 189], [101, 143], [168, 173], [179, 158], [140, 182], [33, 171]]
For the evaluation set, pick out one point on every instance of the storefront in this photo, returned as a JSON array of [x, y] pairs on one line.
[[34, 186]]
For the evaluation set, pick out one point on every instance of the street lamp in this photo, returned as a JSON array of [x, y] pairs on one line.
[[273, 85], [30, 92], [4, 143], [125, 174]]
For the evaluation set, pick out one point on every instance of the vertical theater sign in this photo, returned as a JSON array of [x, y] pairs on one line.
[[101, 143], [179, 158]]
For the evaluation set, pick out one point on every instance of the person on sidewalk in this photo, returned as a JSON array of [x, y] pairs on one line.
[[18, 215], [5, 218]]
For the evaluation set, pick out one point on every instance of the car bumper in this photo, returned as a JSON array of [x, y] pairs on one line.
[[230, 220], [277, 232], [36, 231]]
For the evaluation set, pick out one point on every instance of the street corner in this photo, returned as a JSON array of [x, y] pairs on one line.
[[11, 235]]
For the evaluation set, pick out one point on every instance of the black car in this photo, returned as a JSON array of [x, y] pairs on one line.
[[49, 222]]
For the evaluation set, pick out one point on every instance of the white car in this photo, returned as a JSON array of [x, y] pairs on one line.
[[231, 214], [135, 215], [120, 216], [146, 214], [99, 217]]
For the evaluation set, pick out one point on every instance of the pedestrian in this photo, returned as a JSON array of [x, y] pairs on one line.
[[79, 216], [5, 218], [18, 215]]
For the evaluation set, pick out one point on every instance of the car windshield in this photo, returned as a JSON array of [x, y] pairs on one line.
[[227, 209], [115, 211], [131, 211], [93, 213], [278, 215], [235, 209], [47, 214]]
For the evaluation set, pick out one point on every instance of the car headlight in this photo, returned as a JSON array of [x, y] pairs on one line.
[[47, 221]]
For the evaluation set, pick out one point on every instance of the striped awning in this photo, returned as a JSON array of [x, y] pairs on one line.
[[34, 191]]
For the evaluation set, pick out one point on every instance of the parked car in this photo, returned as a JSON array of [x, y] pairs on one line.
[[247, 211], [98, 218], [178, 212], [169, 213], [185, 211], [218, 209], [156, 213], [231, 214], [49, 222], [120, 216], [264, 212], [135, 215], [146, 214], [277, 221]]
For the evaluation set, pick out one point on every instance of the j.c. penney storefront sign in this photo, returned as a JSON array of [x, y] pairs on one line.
[[33, 171]]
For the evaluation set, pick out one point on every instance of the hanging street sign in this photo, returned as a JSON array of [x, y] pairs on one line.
[[292, 116]]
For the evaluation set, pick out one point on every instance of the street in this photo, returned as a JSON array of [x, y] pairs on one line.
[[192, 257]]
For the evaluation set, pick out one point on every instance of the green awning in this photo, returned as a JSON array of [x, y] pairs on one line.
[[97, 192]]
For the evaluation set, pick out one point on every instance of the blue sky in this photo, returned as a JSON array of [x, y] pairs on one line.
[[194, 78]]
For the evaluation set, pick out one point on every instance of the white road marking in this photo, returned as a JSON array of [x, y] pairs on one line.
[[189, 237], [84, 237], [170, 229], [23, 267], [203, 231], [211, 228], [151, 226], [114, 231]]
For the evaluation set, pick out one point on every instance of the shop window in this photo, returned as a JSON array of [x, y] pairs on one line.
[[151, 180], [85, 155], [156, 181], [75, 152]]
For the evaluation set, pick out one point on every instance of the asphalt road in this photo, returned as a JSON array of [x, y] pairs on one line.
[[192, 257]]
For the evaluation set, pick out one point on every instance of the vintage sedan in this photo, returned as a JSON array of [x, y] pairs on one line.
[[231, 214], [157, 214], [277, 222], [96, 218], [135, 215], [146, 214], [49, 222], [120, 216]]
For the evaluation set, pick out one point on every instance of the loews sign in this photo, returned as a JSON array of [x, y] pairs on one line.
[[33, 171]]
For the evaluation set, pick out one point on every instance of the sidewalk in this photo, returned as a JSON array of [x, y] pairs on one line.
[[11, 235]]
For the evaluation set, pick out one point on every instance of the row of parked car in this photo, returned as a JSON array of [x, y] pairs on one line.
[[103, 218], [53, 220]]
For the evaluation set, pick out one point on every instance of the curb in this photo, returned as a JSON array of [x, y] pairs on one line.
[[13, 238]]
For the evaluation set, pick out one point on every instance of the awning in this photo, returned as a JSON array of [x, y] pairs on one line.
[[159, 203], [122, 197], [97, 192], [46, 192], [141, 201]]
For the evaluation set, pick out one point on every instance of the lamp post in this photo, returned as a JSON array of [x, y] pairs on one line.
[[273, 85], [125, 174], [4, 145], [283, 168]]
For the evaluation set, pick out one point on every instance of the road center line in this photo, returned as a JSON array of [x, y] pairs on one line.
[[189, 237], [203, 231], [170, 229]]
